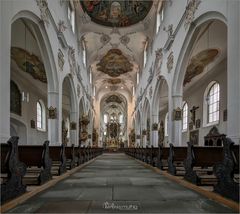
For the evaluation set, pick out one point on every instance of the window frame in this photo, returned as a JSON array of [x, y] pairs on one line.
[[185, 129], [206, 122], [42, 116], [166, 123]]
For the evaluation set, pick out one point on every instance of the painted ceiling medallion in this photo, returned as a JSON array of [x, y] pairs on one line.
[[114, 98], [116, 13], [114, 63], [198, 63], [114, 81], [29, 63]]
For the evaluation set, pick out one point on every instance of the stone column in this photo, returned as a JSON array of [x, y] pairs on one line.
[[5, 44], [154, 129], [73, 128], [53, 120], [175, 126], [233, 71]]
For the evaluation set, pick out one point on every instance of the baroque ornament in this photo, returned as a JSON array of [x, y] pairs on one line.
[[52, 113], [114, 98], [29, 63], [43, 6], [61, 60], [158, 60], [198, 63], [170, 61], [116, 13], [78, 91], [104, 39], [190, 11], [150, 92], [114, 63], [71, 59], [61, 26]]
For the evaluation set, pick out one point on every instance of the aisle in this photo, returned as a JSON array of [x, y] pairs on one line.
[[115, 183]]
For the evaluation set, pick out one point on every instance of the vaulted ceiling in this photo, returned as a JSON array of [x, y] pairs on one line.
[[115, 34]]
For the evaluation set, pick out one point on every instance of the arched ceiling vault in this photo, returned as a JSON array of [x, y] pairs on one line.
[[115, 34]]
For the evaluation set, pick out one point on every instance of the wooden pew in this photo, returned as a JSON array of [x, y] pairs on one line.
[[70, 157], [162, 158], [223, 160], [13, 186], [176, 158], [57, 154], [38, 162]]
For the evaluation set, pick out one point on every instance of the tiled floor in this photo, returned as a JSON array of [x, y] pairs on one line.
[[115, 183]]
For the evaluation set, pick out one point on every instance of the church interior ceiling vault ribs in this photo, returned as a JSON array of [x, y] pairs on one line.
[[157, 80]]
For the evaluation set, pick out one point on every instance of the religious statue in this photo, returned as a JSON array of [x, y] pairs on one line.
[[161, 134], [193, 113]]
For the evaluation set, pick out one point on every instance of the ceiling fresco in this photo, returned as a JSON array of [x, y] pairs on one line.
[[114, 63], [114, 98], [29, 63], [116, 13], [198, 63]]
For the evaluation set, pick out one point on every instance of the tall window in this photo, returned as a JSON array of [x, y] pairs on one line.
[[160, 16], [84, 53], [166, 125], [145, 54], [120, 118], [71, 16], [41, 116], [213, 100], [185, 117], [105, 118]]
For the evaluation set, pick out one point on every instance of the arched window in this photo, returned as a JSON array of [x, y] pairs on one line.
[[71, 16], [166, 125], [41, 116], [120, 118], [105, 118], [159, 20], [213, 99], [84, 57], [185, 117]]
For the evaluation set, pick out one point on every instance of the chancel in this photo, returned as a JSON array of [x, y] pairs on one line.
[[120, 106]]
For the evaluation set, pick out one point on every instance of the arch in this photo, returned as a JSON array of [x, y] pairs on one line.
[[181, 65], [44, 47]]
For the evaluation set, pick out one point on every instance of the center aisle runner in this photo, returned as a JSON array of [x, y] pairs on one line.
[[115, 183]]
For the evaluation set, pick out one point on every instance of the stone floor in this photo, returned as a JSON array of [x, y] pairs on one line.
[[115, 183]]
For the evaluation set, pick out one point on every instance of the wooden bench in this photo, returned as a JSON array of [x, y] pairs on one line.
[[70, 157], [12, 187], [176, 157], [38, 162], [223, 162], [57, 154]]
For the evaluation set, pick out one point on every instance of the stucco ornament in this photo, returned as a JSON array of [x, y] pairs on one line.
[[105, 39], [43, 6], [78, 91], [150, 92], [158, 60], [61, 60], [114, 63], [61, 26], [190, 11], [170, 61], [71, 59]]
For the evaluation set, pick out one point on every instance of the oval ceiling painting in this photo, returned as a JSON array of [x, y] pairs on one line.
[[116, 13]]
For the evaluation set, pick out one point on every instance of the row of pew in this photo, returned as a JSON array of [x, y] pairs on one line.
[[23, 165], [216, 166]]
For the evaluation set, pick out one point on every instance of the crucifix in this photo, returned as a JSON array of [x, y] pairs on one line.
[[193, 113]]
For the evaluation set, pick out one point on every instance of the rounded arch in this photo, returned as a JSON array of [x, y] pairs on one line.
[[44, 47], [68, 82], [182, 62], [161, 91]]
